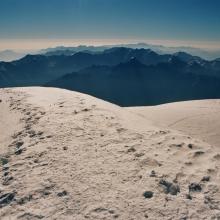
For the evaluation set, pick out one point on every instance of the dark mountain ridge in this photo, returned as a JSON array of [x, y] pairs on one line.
[[135, 84], [121, 75]]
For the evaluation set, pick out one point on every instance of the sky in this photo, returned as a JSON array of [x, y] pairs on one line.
[[45, 23]]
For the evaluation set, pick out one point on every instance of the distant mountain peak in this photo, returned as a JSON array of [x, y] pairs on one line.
[[117, 49], [182, 53], [10, 55], [176, 62], [131, 64], [134, 61], [187, 57]]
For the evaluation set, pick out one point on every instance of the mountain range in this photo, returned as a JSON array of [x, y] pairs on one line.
[[160, 49], [135, 84], [124, 76]]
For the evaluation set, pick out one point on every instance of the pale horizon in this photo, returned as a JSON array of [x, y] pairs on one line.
[[38, 44]]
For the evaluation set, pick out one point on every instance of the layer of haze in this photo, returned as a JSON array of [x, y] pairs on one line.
[[31, 24]]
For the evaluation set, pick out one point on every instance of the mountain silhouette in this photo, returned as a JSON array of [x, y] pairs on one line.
[[135, 84], [121, 75]]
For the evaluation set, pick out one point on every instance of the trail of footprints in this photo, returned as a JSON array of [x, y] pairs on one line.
[[17, 148]]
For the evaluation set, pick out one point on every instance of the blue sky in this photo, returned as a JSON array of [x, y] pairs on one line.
[[170, 20]]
